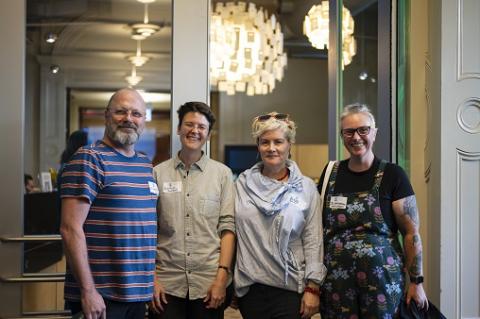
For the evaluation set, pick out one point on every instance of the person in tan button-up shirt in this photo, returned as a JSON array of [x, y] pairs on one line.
[[196, 231]]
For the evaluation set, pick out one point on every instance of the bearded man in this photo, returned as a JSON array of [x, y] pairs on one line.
[[109, 223]]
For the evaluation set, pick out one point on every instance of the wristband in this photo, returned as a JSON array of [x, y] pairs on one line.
[[312, 290], [224, 268], [416, 280]]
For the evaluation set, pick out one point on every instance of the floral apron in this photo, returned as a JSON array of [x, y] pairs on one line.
[[362, 255]]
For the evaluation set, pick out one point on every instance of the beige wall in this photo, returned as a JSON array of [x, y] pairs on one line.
[[418, 47]]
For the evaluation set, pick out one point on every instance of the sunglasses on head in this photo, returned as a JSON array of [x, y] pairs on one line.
[[362, 131], [278, 116]]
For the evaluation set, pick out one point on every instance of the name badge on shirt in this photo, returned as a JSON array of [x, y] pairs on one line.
[[172, 187], [153, 188], [338, 202]]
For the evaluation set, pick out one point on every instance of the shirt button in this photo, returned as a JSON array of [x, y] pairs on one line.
[[189, 271], [188, 215], [188, 254], [188, 234], [184, 176], [188, 194]]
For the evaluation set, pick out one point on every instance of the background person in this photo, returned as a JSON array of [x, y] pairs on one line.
[[76, 140], [29, 184], [109, 223], [366, 203], [277, 213], [196, 239]]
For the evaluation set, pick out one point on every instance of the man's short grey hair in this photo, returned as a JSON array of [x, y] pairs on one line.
[[287, 126], [355, 109]]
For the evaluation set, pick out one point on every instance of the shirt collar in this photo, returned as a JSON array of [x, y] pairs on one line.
[[201, 163]]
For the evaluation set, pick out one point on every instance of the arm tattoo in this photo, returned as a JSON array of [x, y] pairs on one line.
[[410, 209], [415, 268], [416, 240]]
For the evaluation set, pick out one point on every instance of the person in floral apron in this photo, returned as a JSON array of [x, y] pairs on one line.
[[367, 201]]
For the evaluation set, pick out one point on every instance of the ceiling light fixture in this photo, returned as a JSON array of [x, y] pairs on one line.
[[54, 68], [138, 59], [316, 26], [363, 75], [246, 49], [51, 37], [141, 31], [133, 79]]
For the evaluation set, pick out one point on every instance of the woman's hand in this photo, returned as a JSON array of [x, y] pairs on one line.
[[310, 304], [215, 295], [417, 293]]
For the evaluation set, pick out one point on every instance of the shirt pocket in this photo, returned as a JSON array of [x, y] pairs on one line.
[[210, 207], [167, 207]]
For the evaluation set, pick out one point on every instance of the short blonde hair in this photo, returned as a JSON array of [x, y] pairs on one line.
[[287, 126], [355, 109]]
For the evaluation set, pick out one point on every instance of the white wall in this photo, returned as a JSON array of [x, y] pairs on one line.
[[12, 106]]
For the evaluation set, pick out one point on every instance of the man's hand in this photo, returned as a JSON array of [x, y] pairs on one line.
[[310, 305], [93, 306], [159, 297], [216, 294], [417, 293]]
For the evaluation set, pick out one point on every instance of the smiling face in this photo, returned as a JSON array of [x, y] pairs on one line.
[[357, 145], [125, 118], [193, 131], [274, 148]]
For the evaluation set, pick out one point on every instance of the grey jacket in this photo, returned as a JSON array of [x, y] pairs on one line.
[[279, 231]]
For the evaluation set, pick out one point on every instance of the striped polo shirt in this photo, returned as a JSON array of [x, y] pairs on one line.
[[121, 226]]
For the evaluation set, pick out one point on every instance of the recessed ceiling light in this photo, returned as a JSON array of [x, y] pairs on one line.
[[146, 1], [54, 69], [363, 75], [51, 37]]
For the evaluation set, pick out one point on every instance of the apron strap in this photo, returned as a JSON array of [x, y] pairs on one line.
[[379, 174]]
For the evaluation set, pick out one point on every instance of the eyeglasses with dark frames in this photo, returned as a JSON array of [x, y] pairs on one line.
[[277, 116], [361, 130]]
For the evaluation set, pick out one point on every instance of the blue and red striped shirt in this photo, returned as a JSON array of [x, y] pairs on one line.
[[121, 226]]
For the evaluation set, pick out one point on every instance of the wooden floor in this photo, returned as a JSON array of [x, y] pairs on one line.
[[235, 314]]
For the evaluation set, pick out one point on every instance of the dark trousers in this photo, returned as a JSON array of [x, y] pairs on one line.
[[184, 308], [115, 309], [266, 302]]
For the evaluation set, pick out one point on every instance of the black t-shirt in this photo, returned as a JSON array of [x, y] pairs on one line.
[[395, 185]]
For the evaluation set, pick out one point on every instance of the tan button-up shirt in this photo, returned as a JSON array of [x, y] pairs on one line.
[[194, 207]]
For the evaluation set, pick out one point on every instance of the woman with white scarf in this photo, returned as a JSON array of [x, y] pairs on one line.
[[279, 265]]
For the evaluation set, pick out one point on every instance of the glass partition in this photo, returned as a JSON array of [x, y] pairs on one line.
[[249, 78], [77, 54]]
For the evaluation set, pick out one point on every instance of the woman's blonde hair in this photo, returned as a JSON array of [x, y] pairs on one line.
[[269, 122]]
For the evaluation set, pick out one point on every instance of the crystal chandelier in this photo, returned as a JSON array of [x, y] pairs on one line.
[[246, 49], [316, 25]]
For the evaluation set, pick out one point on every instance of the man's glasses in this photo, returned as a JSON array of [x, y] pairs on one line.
[[277, 116], [349, 132]]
